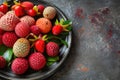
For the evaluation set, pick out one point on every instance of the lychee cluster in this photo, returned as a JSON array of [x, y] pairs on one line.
[[22, 31]]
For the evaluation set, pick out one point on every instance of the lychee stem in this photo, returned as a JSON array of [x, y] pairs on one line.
[[44, 38]]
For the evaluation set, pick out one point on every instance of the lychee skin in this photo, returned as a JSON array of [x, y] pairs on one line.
[[1, 14], [37, 61], [44, 25], [2, 62], [9, 21], [27, 5], [22, 29], [19, 66], [34, 29], [49, 12], [1, 40], [52, 49], [21, 47], [9, 38], [28, 19], [1, 31]]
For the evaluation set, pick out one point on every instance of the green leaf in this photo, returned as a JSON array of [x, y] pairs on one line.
[[49, 63], [64, 33], [56, 22], [67, 22], [62, 21], [69, 28], [62, 41], [53, 58], [8, 54], [3, 48]]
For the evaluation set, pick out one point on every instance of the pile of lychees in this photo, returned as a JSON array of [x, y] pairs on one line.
[[27, 31]]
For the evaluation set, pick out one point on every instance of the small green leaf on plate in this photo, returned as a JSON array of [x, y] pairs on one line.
[[56, 22], [62, 41], [3, 48], [69, 28], [62, 21], [8, 54], [53, 58], [67, 22], [49, 63]]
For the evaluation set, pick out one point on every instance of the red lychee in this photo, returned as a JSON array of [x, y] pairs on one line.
[[19, 66], [37, 61], [2, 62], [52, 49], [9, 38], [22, 29]]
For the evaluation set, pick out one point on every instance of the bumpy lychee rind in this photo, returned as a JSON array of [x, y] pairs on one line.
[[37, 61], [44, 25], [1, 14], [2, 62], [21, 47], [22, 29], [28, 19], [9, 21], [9, 38], [19, 66], [49, 12], [52, 49]]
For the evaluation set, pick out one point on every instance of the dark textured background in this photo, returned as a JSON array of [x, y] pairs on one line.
[[95, 51]]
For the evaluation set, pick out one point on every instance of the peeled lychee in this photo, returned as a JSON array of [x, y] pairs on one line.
[[9, 21], [19, 66], [22, 29], [44, 25], [52, 49], [49, 12], [37, 61], [9, 38], [28, 19], [2, 62]]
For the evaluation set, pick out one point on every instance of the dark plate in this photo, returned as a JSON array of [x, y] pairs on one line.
[[46, 72]]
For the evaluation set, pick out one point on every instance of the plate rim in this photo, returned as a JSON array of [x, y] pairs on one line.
[[66, 52]]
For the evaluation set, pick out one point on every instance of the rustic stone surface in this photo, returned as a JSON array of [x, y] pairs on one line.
[[95, 51]]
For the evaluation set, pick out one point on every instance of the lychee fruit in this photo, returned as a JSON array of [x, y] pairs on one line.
[[21, 47], [52, 49], [1, 40], [49, 12], [44, 24], [37, 61], [1, 31], [28, 19], [19, 66], [22, 29], [1, 14], [2, 62], [57, 29], [41, 8], [9, 38], [27, 5], [8, 21], [35, 29]]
